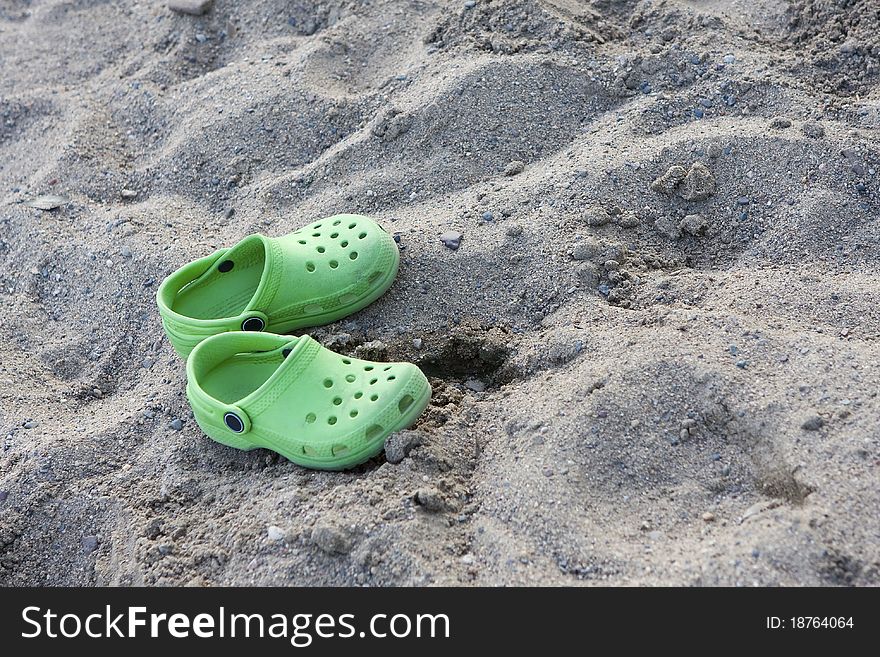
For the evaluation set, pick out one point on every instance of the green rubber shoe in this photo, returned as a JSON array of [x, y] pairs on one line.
[[316, 275], [295, 397]]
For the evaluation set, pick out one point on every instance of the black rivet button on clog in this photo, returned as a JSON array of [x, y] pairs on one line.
[[233, 422], [253, 324], [225, 266]]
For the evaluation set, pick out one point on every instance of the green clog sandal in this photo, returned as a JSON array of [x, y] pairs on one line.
[[295, 397], [316, 275]]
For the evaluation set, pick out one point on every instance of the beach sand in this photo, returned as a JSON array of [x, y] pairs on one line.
[[654, 354]]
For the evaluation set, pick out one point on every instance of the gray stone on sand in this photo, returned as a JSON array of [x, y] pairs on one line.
[[693, 224], [191, 7], [698, 184], [451, 239], [668, 226], [399, 445], [275, 533], [431, 500], [813, 423], [597, 217], [177, 424], [89, 544], [667, 183], [627, 219], [331, 540], [514, 168]]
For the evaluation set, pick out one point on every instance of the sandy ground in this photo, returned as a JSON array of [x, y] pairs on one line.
[[654, 355]]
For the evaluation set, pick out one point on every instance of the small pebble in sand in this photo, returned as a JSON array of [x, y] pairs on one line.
[[430, 500], [331, 540], [275, 533], [191, 7], [813, 130], [513, 230], [451, 239], [30, 424], [708, 517], [125, 252], [89, 544], [729, 59], [3, 495], [398, 445], [128, 194], [488, 216], [47, 202], [813, 423], [177, 424], [514, 168], [780, 123], [417, 343], [229, 212], [475, 384]]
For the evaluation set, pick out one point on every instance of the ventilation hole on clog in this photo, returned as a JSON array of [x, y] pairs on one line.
[[404, 403], [375, 276], [310, 266], [386, 368], [301, 241], [337, 401], [353, 255], [373, 431], [225, 266], [308, 451], [311, 417], [392, 377], [368, 368], [350, 378], [331, 420], [373, 381], [343, 243], [316, 234], [346, 361], [316, 226], [333, 236], [320, 249], [348, 298], [374, 397], [353, 413], [313, 309], [333, 264], [328, 383], [358, 395], [339, 450], [352, 225], [337, 222], [362, 236]]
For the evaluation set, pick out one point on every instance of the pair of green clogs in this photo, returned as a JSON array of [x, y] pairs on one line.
[[251, 387]]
